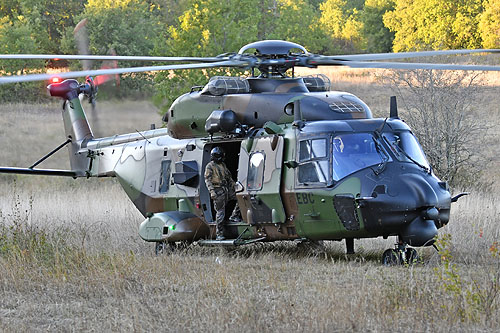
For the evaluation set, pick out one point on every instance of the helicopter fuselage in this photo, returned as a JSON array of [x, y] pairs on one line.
[[332, 173], [328, 180]]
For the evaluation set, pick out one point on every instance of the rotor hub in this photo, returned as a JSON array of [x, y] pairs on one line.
[[275, 57]]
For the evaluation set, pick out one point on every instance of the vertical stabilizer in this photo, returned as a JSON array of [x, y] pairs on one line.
[[76, 126], [78, 130]]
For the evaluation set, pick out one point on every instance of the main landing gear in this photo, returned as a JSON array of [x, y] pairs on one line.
[[164, 247], [401, 255]]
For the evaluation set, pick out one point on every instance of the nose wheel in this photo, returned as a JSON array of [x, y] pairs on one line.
[[401, 255]]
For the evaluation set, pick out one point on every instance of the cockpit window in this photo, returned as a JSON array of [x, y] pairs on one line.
[[312, 149], [313, 161], [355, 151], [406, 148]]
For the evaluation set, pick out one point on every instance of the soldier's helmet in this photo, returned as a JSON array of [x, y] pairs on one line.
[[217, 154]]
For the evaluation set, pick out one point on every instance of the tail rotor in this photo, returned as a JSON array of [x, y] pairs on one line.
[[83, 45]]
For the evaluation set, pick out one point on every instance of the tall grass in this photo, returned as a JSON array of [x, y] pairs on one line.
[[73, 258]]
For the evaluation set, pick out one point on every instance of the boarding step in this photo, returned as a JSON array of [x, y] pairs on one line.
[[229, 242]]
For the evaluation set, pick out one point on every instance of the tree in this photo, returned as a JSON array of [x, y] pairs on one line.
[[293, 20], [435, 24], [441, 110], [341, 21], [489, 24], [48, 19], [18, 37], [378, 37], [123, 27], [207, 28], [129, 27], [212, 27]]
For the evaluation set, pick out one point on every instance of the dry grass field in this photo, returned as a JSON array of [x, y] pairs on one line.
[[71, 258]]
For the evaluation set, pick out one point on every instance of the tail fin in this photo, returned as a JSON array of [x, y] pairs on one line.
[[76, 126]]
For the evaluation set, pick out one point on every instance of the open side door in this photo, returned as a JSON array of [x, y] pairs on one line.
[[259, 173]]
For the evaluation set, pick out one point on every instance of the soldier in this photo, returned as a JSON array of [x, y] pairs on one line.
[[220, 184]]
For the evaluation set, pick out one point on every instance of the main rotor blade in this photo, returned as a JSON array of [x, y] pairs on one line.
[[109, 57], [406, 65], [402, 55], [67, 75]]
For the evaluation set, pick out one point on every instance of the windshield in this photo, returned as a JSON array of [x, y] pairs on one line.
[[355, 151], [406, 148]]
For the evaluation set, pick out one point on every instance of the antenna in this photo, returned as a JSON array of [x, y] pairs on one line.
[[143, 136], [297, 115], [394, 107]]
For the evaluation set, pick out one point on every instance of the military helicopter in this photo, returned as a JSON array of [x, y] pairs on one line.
[[310, 164]]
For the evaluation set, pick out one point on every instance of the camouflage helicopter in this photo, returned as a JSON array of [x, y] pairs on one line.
[[310, 164]]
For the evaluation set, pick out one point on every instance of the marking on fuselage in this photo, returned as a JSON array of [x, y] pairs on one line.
[[304, 198]]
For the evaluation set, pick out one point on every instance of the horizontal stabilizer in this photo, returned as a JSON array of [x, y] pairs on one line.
[[46, 172]]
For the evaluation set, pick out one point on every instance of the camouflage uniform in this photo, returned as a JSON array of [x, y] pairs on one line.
[[220, 184]]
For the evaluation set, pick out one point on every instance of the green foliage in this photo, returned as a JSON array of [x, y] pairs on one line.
[[125, 27], [378, 37], [434, 24], [47, 19], [296, 21], [341, 20], [31, 26], [471, 298], [210, 27], [489, 24], [18, 37], [207, 28]]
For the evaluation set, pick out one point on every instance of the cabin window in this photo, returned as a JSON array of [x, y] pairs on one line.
[[313, 161], [165, 176], [255, 178]]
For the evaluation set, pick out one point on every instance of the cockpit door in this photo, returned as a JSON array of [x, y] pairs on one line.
[[259, 173]]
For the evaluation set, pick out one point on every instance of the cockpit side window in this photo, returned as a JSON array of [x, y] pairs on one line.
[[313, 161]]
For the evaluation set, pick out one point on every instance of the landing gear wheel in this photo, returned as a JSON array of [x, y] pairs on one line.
[[163, 248], [391, 258], [411, 256]]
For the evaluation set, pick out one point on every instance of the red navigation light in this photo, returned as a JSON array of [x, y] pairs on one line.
[[55, 79]]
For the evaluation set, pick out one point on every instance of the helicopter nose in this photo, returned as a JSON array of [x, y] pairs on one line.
[[432, 201], [420, 190], [412, 205]]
